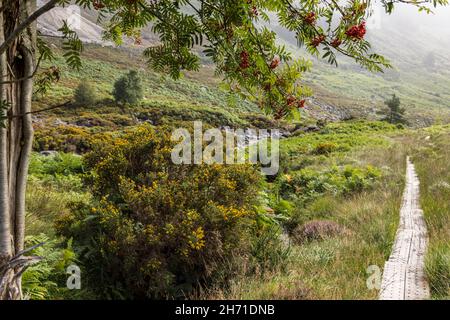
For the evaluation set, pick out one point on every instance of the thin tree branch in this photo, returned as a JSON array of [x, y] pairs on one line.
[[21, 253], [65, 104], [33, 17]]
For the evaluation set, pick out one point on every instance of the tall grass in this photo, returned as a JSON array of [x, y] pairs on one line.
[[334, 267], [432, 160]]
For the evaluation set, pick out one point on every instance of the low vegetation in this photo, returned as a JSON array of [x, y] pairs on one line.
[[311, 232], [432, 160], [105, 196], [85, 95], [335, 223]]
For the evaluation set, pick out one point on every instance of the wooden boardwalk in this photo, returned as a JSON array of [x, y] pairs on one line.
[[404, 272]]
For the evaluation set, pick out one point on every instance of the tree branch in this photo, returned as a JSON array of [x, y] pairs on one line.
[[65, 104], [21, 253], [33, 17]]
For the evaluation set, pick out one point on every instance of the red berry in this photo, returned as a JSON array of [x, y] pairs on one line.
[[97, 4], [274, 64], [245, 63], [357, 32], [317, 40], [362, 30], [310, 18], [301, 104], [336, 42], [291, 100]]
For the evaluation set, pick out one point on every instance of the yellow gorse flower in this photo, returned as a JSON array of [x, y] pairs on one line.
[[197, 242], [232, 212]]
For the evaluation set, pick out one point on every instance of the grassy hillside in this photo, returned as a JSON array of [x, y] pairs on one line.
[[195, 97], [339, 93], [309, 232]]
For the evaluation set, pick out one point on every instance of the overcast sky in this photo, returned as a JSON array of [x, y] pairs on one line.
[[409, 15]]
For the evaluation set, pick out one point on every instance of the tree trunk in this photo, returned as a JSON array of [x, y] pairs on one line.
[[15, 141]]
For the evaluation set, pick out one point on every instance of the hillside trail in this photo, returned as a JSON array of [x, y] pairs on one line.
[[404, 272]]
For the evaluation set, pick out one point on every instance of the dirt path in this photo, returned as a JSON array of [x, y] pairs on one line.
[[404, 275]]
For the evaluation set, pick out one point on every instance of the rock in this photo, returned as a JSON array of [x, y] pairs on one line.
[[302, 130], [312, 128], [59, 122], [48, 153]]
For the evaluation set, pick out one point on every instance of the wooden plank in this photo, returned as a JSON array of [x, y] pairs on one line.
[[404, 273]]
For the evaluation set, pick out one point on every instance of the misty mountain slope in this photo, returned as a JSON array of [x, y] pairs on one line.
[[424, 90], [349, 90], [411, 41], [88, 31], [84, 22]]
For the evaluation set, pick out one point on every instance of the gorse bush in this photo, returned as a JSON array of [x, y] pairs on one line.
[[85, 94], [62, 138], [159, 229], [325, 148], [68, 138], [128, 88]]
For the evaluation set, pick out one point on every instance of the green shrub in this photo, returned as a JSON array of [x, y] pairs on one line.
[[309, 183], [60, 163], [159, 229], [85, 94], [128, 88], [284, 208]]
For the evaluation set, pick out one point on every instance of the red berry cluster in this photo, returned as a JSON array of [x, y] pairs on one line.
[[274, 64], [310, 18], [301, 103], [317, 40], [357, 32], [292, 101], [253, 11], [336, 42], [245, 60], [98, 4]]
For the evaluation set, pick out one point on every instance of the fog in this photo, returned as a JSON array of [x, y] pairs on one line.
[[407, 30], [409, 16]]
